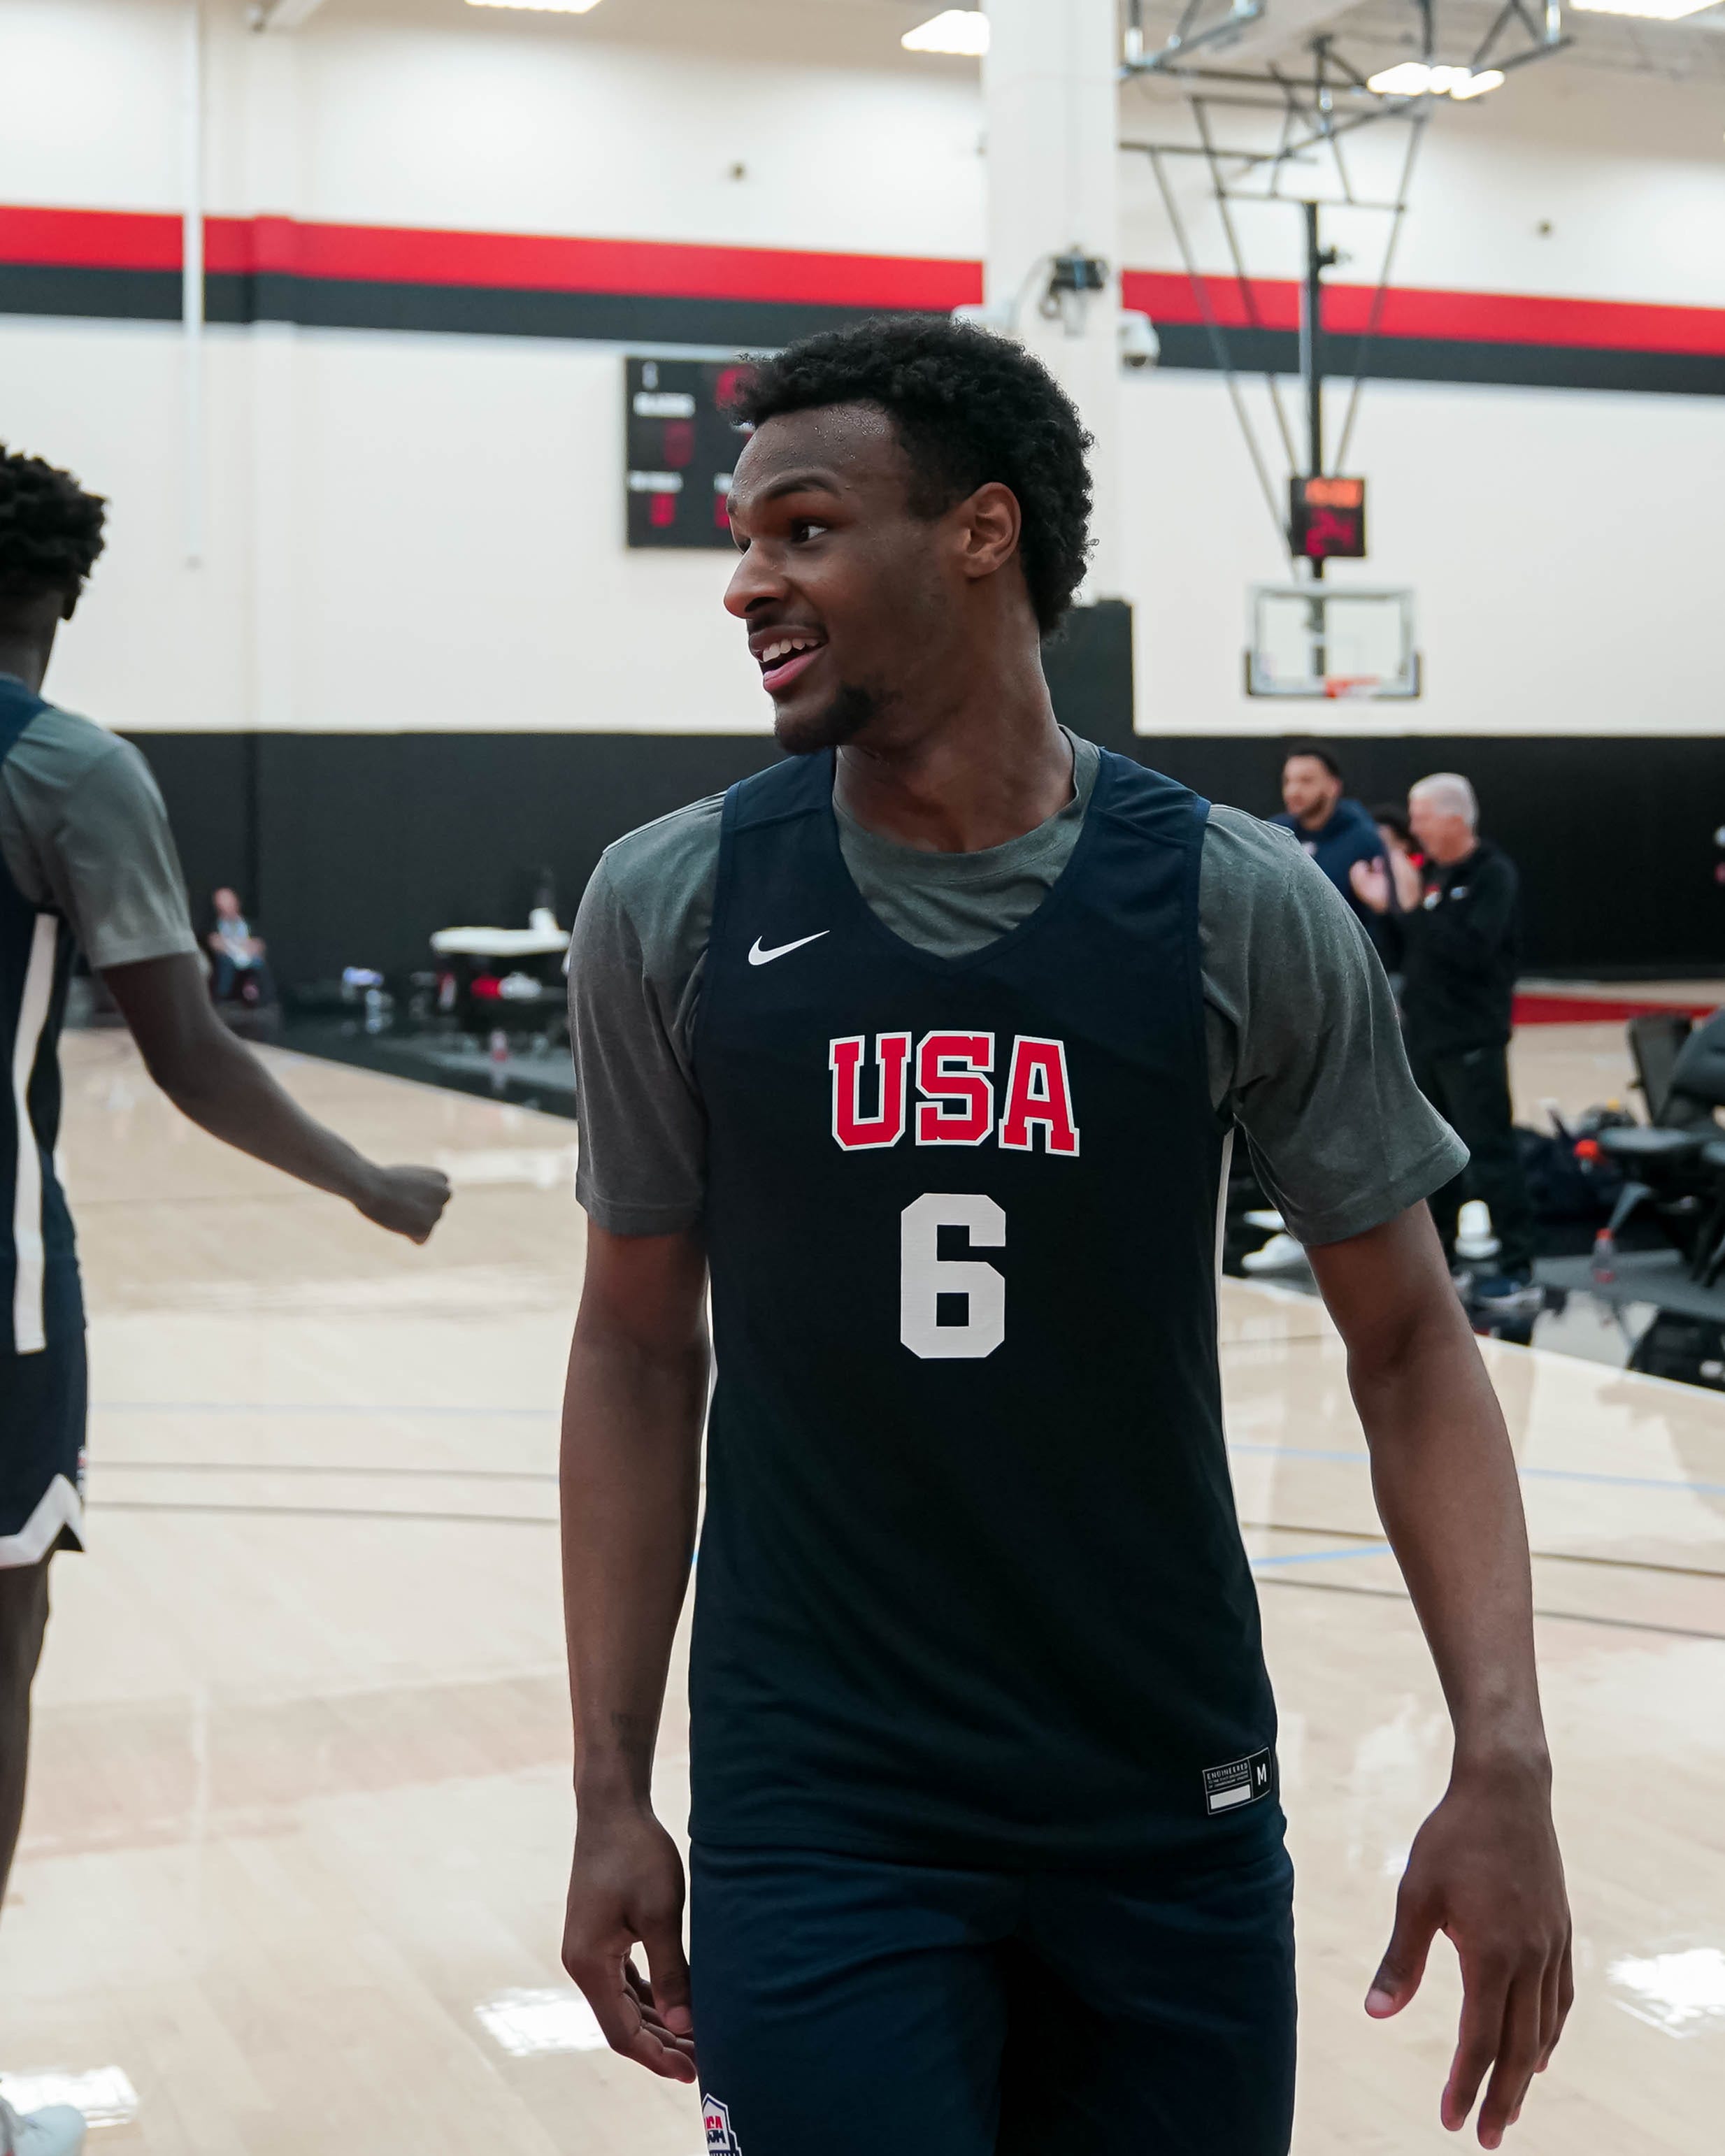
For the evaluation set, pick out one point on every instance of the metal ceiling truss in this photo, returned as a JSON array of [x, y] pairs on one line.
[[1330, 96], [1316, 104]]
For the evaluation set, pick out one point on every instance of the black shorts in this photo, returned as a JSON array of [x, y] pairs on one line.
[[847, 2006], [42, 1401]]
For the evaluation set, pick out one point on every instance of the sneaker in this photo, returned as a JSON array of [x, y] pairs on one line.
[[1507, 1292], [57, 2130], [1282, 1254]]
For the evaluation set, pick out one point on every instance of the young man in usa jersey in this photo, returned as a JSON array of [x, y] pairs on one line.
[[921, 1049], [87, 863]]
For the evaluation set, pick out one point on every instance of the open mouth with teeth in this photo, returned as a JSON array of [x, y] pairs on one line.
[[786, 657]]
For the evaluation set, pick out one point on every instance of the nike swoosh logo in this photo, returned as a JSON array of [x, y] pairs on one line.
[[757, 957]]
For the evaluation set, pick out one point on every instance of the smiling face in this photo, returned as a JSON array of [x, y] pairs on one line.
[[1310, 791], [856, 607]]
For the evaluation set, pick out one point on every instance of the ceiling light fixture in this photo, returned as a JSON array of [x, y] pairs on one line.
[[961, 30], [540, 7], [1414, 79], [1649, 10]]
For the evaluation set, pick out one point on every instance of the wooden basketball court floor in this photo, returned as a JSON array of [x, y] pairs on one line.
[[294, 1860]]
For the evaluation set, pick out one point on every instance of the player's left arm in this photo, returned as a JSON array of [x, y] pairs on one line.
[[1485, 1867]]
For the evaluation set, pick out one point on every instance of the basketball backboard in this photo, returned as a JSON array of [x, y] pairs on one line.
[[1342, 640]]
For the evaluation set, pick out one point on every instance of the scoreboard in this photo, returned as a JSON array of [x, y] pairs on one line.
[[1327, 518], [681, 444]]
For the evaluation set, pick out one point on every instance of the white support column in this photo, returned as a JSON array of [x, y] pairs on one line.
[[272, 169], [1051, 92], [192, 280]]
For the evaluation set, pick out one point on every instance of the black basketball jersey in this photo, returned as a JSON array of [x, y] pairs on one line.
[[971, 1585], [39, 1296]]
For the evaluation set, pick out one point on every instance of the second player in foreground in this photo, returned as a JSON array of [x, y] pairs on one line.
[[923, 1048]]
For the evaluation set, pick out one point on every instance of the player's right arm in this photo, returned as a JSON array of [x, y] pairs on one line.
[[83, 833], [633, 1410]]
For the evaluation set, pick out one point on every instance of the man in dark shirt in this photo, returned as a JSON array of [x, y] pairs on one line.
[[1457, 931], [1337, 831]]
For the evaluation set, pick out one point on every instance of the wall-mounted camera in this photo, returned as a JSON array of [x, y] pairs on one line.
[[1139, 344]]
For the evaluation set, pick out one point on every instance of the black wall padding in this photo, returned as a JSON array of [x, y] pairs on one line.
[[351, 849], [1612, 833]]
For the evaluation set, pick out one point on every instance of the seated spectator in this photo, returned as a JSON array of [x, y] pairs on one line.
[[240, 963]]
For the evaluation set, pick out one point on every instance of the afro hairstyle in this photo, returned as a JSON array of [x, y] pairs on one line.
[[969, 407], [50, 529]]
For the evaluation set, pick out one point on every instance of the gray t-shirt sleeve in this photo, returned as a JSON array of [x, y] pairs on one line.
[[83, 830], [635, 963], [1306, 1049]]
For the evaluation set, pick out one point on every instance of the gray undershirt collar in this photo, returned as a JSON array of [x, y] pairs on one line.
[[874, 859]]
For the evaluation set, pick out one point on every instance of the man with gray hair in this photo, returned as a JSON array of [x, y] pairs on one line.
[[1456, 931]]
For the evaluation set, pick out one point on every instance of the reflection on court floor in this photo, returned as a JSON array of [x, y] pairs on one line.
[[293, 1862]]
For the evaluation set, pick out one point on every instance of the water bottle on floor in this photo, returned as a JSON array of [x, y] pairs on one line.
[[1475, 1238]]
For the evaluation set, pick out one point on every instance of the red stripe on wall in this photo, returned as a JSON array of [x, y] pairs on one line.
[[120, 239], [117, 239], [525, 262], [1461, 317], [88, 240]]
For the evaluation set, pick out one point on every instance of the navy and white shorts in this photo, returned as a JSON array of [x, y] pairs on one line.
[[850, 2006], [42, 1401]]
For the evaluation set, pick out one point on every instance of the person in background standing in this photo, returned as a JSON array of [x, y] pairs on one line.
[[1395, 833], [1336, 830], [1391, 819], [1455, 931]]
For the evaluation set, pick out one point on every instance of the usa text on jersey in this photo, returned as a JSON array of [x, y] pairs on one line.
[[955, 1083]]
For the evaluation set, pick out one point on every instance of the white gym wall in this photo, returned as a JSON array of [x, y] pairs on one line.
[[409, 531]]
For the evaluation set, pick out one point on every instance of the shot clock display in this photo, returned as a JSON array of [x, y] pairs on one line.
[[680, 448], [1327, 518]]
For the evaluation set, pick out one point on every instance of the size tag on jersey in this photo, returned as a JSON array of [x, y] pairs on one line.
[[1242, 1782]]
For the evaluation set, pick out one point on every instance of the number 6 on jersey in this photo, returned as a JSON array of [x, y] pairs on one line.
[[927, 1279]]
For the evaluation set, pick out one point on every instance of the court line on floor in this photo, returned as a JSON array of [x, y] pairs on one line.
[[1350, 1457], [539, 1520], [1552, 1616], [89, 1200], [103, 1462], [524, 1520], [1324, 1557], [307, 1407], [1374, 1546], [1545, 1557], [1527, 1474], [325, 1513]]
